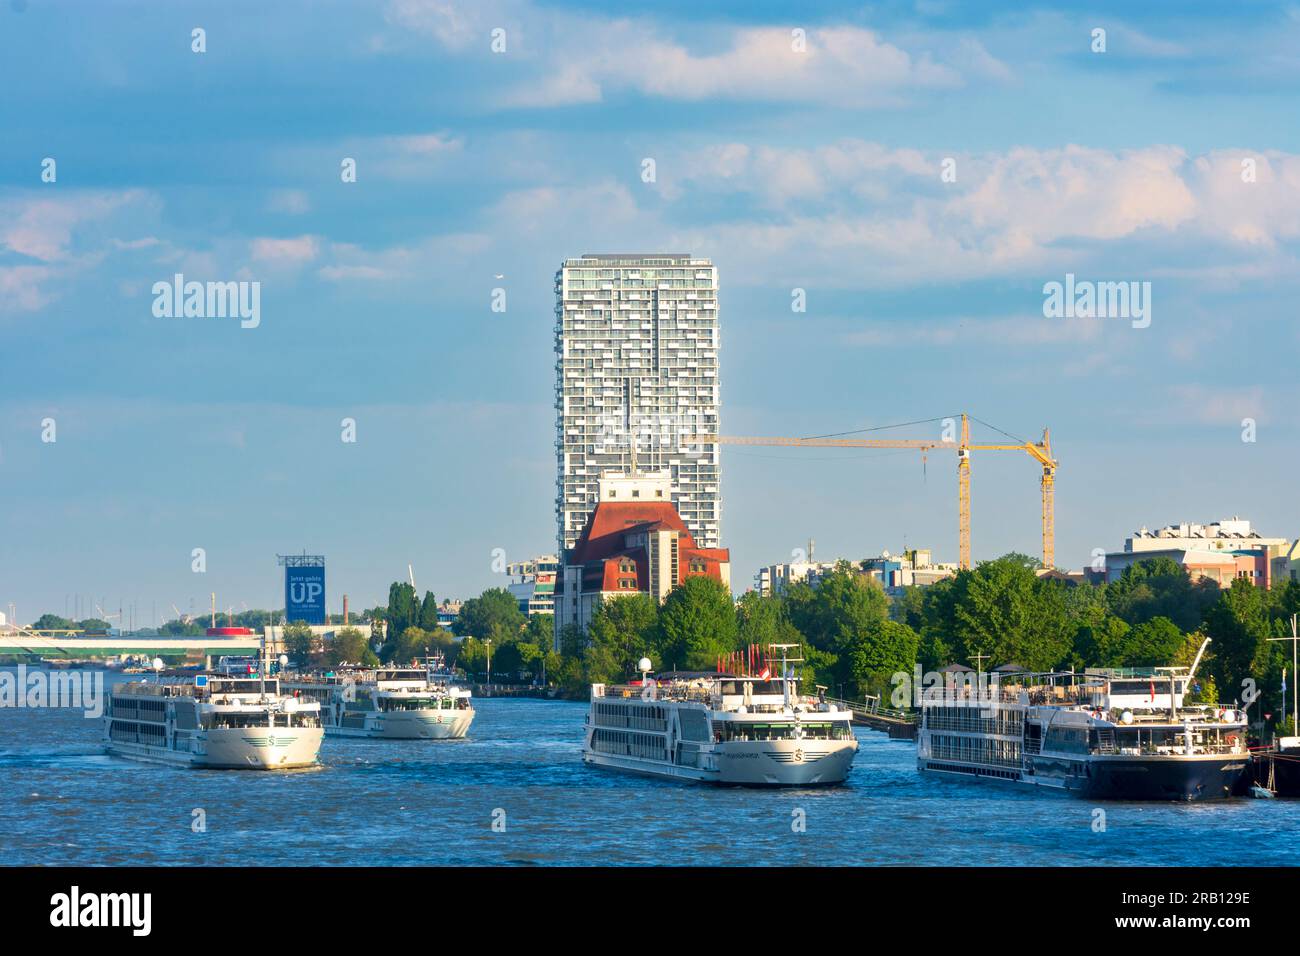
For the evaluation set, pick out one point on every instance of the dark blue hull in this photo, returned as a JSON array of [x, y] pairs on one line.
[[1164, 779]]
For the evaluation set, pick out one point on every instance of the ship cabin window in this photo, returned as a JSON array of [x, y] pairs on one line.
[[758, 687], [833, 730], [253, 686], [728, 730], [1067, 739]]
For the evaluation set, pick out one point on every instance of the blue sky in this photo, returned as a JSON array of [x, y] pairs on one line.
[[816, 169]]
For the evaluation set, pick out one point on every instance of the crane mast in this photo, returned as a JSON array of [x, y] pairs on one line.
[[1040, 451]]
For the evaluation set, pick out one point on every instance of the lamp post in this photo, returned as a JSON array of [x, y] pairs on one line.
[[488, 642]]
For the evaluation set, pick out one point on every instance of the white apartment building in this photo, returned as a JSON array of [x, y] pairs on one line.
[[533, 584], [636, 374], [1227, 534]]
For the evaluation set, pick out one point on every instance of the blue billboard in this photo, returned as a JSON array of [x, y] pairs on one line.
[[304, 594]]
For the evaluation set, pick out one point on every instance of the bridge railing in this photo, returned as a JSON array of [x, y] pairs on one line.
[[871, 708]]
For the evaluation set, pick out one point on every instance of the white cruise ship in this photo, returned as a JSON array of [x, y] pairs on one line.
[[719, 728], [1123, 734], [212, 720], [395, 703]]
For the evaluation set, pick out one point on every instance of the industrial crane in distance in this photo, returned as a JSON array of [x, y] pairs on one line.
[[1040, 451]]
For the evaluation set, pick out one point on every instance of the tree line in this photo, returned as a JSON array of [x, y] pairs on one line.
[[854, 638]]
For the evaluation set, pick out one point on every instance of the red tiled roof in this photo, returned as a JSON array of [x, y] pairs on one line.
[[602, 545], [611, 520]]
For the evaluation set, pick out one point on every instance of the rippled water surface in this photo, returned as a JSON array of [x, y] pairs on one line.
[[398, 802]]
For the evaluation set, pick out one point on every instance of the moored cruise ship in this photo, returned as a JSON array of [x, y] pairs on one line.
[[1122, 734], [212, 720], [719, 728], [396, 703]]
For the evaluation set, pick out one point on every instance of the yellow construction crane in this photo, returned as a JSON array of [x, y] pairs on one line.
[[1040, 451]]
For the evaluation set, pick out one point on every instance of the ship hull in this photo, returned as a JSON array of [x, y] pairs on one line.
[[1165, 778], [251, 748], [411, 725], [1278, 770], [809, 763], [1286, 773], [1149, 779]]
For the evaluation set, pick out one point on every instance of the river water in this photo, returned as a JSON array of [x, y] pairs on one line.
[[63, 801]]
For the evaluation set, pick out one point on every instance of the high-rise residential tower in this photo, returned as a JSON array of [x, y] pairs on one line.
[[636, 373]]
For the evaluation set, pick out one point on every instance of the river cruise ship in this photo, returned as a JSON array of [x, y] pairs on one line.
[[1104, 734], [719, 728], [212, 720], [395, 703]]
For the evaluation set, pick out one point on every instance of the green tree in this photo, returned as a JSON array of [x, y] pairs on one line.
[[1160, 587], [622, 631], [909, 607], [494, 613], [403, 610], [759, 619], [540, 631], [1104, 643], [300, 644], [1153, 643], [411, 645], [697, 623], [841, 607], [1004, 610], [348, 646], [884, 649], [1240, 629], [428, 612], [52, 622]]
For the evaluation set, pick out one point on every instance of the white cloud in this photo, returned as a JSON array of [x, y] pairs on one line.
[[64, 234], [1218, 404], [42, 228], [456, 251], [21, 288], [850, 64], [857, 213], [576, 59], [297, 251]]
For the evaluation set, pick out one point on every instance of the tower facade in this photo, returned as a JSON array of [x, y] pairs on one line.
[[636, 374]]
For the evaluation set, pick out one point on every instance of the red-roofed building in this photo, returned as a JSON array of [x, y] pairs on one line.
[[635, 542]]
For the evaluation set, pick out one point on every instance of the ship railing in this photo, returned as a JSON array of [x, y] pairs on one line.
[[1174, 746], [668, 692]]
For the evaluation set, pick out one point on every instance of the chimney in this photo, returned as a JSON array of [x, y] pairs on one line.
[[345, 610]]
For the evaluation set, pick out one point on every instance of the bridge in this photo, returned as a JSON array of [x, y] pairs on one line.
[[899, 724], [71, 644]]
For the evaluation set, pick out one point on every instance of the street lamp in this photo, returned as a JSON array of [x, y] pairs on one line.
[[488, 641]]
